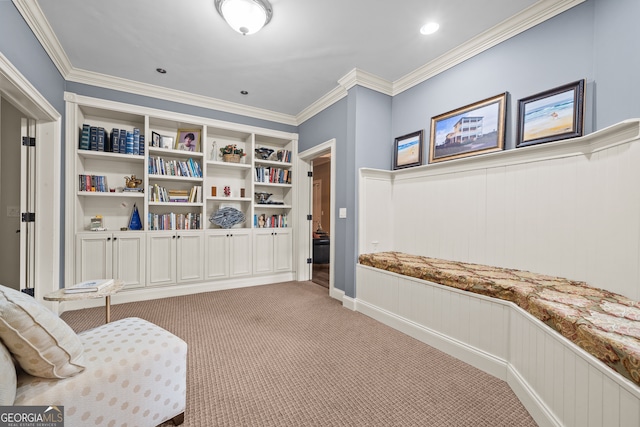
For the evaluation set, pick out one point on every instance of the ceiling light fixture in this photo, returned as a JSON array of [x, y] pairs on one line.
[[429, 28], [245, 16]]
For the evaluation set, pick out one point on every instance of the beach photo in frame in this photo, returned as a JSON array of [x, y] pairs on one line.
[[551, 115], [407, 150], [188, 140], [468, 131]]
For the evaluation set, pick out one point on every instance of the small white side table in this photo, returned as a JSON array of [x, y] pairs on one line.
[[106, 292]]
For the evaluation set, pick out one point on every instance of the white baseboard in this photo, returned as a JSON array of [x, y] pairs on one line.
[[460, 350], [168, 291]]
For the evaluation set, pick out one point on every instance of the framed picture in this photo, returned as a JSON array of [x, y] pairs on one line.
[[551, 115], [166, 141], [188, 140], [155, 139], [470, 130], [408, 150]]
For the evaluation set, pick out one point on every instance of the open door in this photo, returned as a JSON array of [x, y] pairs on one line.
[[27, 205]]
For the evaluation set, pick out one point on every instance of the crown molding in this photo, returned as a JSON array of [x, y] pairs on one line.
[[321, 104], [528, 18], [366, 79], [138, 88], [34, 17]]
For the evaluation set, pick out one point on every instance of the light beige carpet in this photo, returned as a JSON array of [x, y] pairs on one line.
[[289, 355]]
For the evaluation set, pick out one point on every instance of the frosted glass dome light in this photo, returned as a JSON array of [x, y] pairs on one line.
[[245, 16]]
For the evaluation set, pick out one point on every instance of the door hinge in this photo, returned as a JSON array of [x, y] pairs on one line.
[[28, 217], [309, 261], [309, 174], [28, 141], [309, 217]]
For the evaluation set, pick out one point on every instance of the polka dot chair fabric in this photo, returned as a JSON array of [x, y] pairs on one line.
[[42, 343], [135, 375]]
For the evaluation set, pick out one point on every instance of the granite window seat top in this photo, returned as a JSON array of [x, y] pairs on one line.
[[604, 324]]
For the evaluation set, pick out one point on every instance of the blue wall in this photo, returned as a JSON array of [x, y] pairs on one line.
[[596, 40]]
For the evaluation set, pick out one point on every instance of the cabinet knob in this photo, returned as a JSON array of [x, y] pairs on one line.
[[115, 238], [178, 236], [108, 239], [173, 237]]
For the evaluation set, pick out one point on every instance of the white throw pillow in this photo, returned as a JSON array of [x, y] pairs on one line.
[[42, 343], [8, 375]]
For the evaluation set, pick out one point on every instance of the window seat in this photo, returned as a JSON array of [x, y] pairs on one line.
[[600, 322]]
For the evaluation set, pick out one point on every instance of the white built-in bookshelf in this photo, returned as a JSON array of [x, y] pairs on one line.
[[179, 191]]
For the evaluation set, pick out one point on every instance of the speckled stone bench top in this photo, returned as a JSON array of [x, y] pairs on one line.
[[605, 324]]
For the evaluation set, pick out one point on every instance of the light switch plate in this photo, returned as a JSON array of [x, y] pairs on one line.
[[342, 213], [13, 211]]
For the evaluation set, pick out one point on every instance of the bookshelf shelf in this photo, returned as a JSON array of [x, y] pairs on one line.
[[110, 194], [177, 243], [174, 178]]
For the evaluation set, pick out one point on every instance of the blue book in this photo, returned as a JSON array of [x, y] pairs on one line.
[[122, 141], [136, 141], [141, 145], [85, 135], [114, 145], [101, 134], [93, 138], [129, 146]]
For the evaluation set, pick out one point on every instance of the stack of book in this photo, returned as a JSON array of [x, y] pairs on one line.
[[88, 286]]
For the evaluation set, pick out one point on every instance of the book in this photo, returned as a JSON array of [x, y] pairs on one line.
[[85, 136], [88, 286]]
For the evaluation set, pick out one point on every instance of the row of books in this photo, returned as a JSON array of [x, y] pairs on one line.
[[158, 193], [174, 221], [270, 221], [160, 166], [93, 183], [96, 138], [273, 175], [284, 156]]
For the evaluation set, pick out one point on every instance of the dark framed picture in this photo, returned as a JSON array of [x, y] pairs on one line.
[[551, 115], [188, 140], [155, 139], [407, 150], [470, 130]]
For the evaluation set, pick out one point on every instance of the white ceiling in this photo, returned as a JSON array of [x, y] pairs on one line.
[[293, 62]]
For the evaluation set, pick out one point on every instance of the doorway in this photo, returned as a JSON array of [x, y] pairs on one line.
[[17, 197], [39, 266], [311, 163], [321, 223]]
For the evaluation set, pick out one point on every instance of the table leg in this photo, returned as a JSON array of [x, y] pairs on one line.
[[107, 309]]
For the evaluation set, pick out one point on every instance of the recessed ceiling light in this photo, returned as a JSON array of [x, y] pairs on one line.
[[244, 92], [161, 70], [429, 28]]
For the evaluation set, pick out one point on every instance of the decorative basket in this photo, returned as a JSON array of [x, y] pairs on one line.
[[231, 158]]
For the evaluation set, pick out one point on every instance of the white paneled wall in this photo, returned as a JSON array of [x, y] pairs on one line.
[[559, 383], [569, 208]]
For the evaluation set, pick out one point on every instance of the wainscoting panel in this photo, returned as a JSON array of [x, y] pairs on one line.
[[567, 208], [559, 383]]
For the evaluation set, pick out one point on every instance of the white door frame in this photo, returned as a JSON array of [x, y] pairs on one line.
[[304, 205], [16, 89]]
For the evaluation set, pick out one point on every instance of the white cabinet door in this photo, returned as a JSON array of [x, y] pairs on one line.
[[262, 251], [161, 258], [190, 253], [217, 254], [93, 256], [240, 252], [282, 250], [129, 258]]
